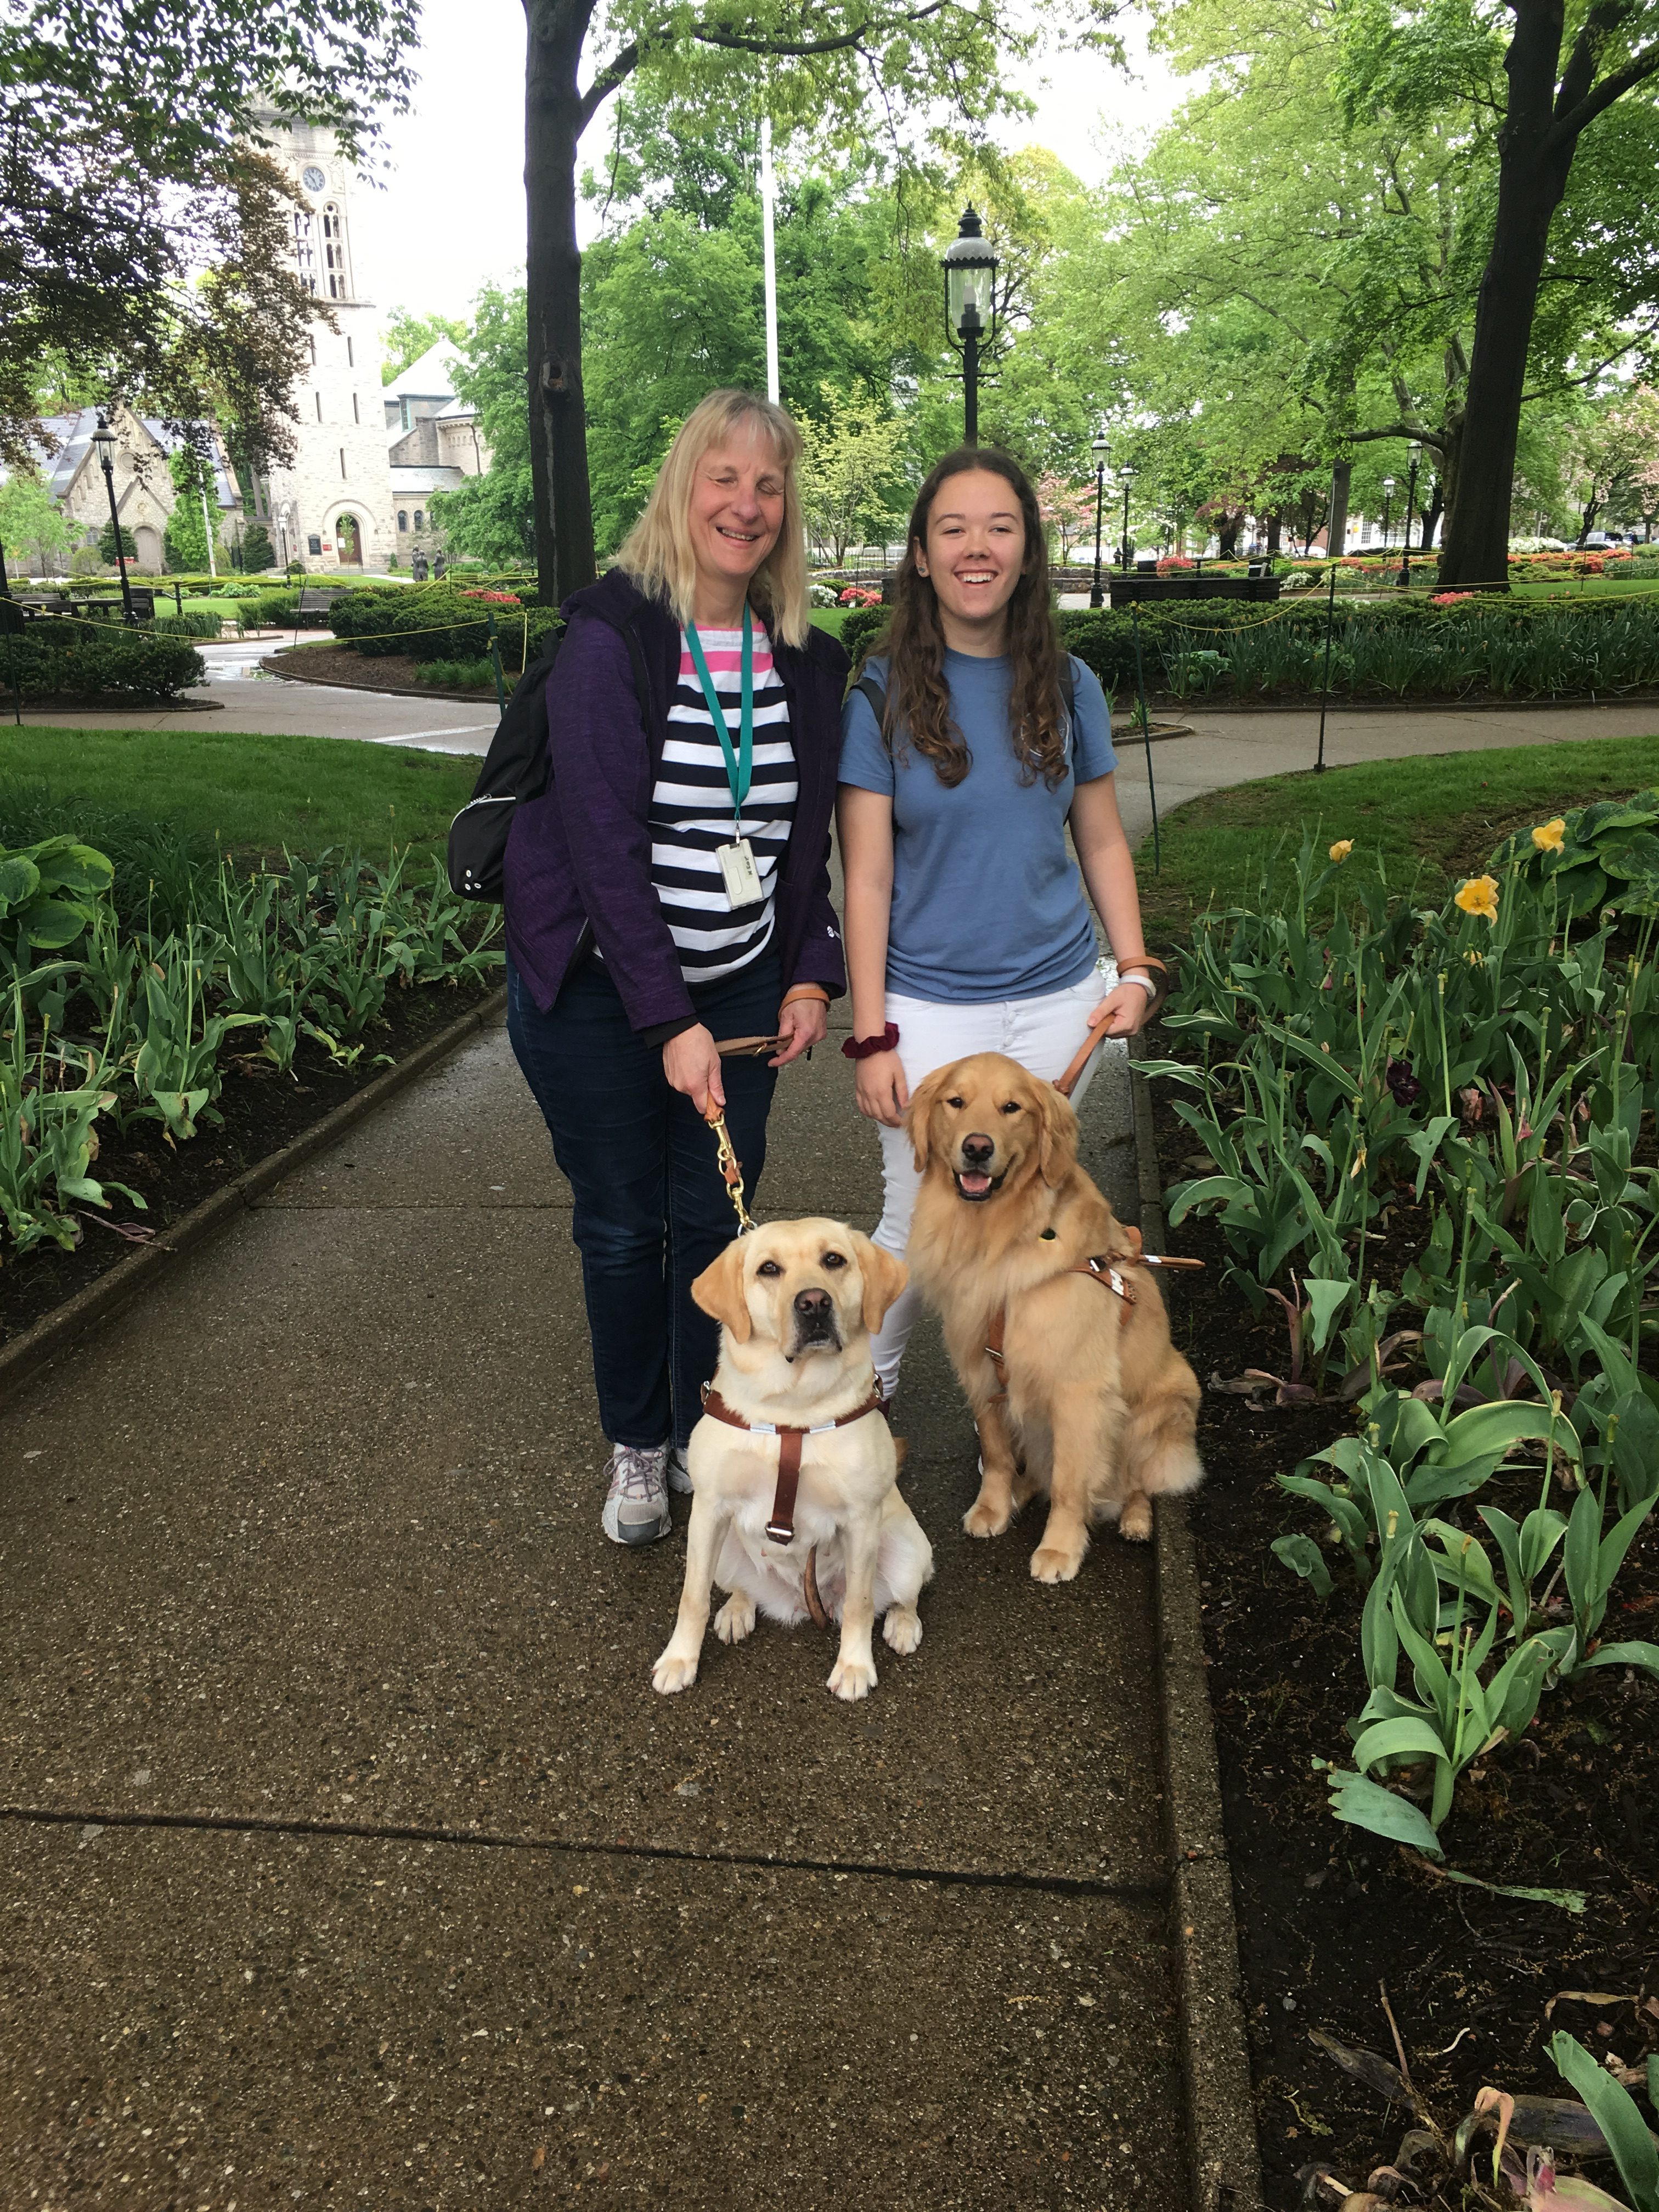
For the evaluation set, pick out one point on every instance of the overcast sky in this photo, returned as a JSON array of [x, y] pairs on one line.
[[451, 213]]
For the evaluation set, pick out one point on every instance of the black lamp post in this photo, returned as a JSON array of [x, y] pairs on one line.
[[1128, 476], [104, 439], [1097, 596], [970, 309], [1388, 504], [1411, 508]]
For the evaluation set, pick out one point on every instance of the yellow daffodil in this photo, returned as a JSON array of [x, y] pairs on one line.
[[1344, 846], [1550, 836], [1478, 896], [1475, 959]]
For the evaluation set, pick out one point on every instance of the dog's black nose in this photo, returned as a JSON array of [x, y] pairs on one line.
[[978, 1150], [812, 1305]]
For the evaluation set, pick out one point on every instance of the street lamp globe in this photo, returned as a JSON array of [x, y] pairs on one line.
[[970, 308], [1388, 486], [104, 439], [1098, 449], [970, 268]]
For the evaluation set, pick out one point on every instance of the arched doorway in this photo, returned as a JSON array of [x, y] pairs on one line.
[[348, 542], [147, 545]]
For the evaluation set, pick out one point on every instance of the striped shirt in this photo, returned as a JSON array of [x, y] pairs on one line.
[[692, 806]]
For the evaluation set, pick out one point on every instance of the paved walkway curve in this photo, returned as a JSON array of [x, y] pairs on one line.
[[351, 1856]]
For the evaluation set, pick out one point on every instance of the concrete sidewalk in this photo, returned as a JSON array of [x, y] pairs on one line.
[[353, 1858]]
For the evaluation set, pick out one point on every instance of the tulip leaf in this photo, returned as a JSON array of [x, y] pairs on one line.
[[1366, 1804]]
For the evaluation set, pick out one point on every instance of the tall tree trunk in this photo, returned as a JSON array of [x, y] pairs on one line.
[[1592, 508], [1274, 529], [1531, 179], [1336, 533], [558, 424]]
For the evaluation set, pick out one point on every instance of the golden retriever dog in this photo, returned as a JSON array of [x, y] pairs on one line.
[[1099, 1406], [796, 1303]]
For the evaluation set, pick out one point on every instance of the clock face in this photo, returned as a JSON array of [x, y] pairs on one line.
[[313, 180]]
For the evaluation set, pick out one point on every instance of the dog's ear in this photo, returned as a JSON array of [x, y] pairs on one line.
[[919, 1114], [885, 1277], [1057, 1146], [719, 1290]]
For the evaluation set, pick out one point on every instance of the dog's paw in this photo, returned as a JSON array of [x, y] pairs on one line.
[[853, 1679], [1135, 1521], [736, 1618], [986, 1520], [903, 1628], [672, 1672], [1050, 1563]]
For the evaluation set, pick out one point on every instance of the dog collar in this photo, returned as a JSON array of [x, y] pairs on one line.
[[780, 1527]]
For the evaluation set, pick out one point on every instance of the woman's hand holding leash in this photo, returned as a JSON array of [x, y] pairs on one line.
[[1122, 1011], [802, 1022], [692, 1065]]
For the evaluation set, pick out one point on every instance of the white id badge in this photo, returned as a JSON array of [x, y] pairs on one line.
[[743, 883]]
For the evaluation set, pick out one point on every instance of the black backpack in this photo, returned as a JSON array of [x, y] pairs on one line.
[[519, 766]]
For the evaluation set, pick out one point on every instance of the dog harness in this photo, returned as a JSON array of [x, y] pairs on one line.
[[780, 1527], [1099, 1269]]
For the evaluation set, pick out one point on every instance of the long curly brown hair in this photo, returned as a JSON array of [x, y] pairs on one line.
[[917, 708]]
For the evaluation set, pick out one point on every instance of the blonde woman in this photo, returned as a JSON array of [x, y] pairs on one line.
[[671, 890]]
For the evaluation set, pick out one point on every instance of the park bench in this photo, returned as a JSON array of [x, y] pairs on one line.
[[315, 601]]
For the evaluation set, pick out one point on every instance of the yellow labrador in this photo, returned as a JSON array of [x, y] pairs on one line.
[[1085, 1397], [796, 1302]]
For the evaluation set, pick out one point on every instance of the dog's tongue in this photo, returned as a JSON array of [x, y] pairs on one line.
[[973, 1183]]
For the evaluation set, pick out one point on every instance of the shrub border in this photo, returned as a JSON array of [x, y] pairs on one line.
[[1224, 2159], [28, 1356]]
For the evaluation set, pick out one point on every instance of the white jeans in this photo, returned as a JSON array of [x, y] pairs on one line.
[[1041, 1034]]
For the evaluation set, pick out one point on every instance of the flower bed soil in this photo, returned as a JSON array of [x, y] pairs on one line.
[[388, 671], [263, 1110], [1327, 1912]]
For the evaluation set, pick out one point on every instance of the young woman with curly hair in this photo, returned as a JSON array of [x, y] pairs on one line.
[[967, 926]]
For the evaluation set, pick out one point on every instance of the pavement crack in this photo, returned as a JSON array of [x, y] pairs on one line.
[[235, 1824]]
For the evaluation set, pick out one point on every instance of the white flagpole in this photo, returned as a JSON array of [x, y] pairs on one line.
[[769, 245]]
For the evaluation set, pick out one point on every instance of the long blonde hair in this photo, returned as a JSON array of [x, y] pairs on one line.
[[656, 551]]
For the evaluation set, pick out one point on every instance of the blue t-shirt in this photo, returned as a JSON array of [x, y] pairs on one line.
[[988, 902]]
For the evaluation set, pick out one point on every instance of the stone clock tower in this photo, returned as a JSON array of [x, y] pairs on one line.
[[332, 507]]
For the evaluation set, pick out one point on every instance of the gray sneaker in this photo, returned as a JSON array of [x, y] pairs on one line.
[[679, 1473], [636, 1504]]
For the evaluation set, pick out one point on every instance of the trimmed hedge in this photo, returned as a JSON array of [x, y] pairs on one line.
[[1473, 647], [78, 661], [437, 622], [195, 622]]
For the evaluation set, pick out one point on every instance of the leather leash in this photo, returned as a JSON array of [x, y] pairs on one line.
[[1068, 1082]]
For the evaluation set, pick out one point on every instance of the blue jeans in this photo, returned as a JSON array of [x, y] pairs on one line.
[[651, 1209]]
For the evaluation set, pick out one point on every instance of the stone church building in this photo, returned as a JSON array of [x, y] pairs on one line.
[[369, 455]]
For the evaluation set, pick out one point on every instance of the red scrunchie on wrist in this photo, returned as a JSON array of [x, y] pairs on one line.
[[864, 1047]]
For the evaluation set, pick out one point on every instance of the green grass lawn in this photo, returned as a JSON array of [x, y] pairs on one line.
[[1422, 824], [829, 618], [253, 794], [1578, 587]]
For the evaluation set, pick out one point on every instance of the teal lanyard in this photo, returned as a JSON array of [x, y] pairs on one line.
[[740, 765]]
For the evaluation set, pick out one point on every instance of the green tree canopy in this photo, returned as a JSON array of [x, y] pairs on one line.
[[132, 166], [408, 335]]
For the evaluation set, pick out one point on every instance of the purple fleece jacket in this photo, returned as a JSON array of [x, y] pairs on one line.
[[578, 864]]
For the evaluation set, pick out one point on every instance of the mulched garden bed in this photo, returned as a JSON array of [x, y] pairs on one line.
[[262, 1111], [1329, 1913], [356, 671]]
